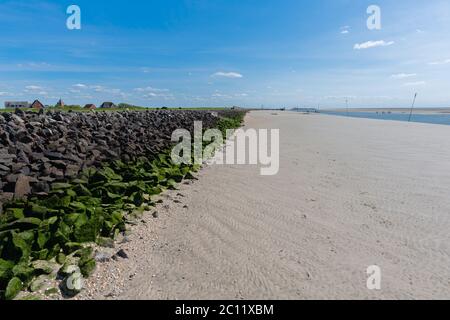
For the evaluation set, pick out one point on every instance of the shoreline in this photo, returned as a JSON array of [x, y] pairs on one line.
[[435, 111], [351, 193]]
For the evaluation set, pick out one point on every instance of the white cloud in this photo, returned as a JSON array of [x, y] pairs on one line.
[[152, 95], [116, 92], [98, 88], [150, 89], [415, 84], [33, 65], [345, 30], [5, 94], [33, 88], [233, 75], [435, 63], [357, 98], [340, 97], [403, 75], [220, 96], [372, 44]]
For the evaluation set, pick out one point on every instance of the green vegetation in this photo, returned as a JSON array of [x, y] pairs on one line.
[[230, 120], [95, 206], [52, 233]]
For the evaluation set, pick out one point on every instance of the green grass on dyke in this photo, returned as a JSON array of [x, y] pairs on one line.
[[119, 109]]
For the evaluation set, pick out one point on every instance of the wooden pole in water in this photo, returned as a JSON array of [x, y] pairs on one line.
[[412, 107], [346, 103]]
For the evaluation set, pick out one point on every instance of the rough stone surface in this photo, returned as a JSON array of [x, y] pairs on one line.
[[38, 149], [22, 187]]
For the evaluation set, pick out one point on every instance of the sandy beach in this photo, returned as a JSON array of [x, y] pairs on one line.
[[350, 193]]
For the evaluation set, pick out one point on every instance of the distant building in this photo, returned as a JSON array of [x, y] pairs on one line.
[[60, 104], [37, 105], [108, 105], [17, 104], [90, 106]]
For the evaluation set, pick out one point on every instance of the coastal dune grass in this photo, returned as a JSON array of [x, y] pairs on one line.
[[46, 235]]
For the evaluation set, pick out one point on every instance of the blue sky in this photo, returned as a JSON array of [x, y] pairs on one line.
[[220, 53]]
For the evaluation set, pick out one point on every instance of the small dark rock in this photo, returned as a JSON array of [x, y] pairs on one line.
[[6, 196], [72, 171], [6, 156], [54, 155], [25, 171], [102, 257], [19, 112], [60, 164], [55, 173], [122, 254], [58, 117], [12, 178], [22, 157], [41, 186], [16, 167], [24, 137]]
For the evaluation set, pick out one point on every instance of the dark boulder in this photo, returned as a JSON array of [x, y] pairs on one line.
[[56, 146]]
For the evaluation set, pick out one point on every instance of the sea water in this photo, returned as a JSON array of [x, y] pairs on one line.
[[438, 118]]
